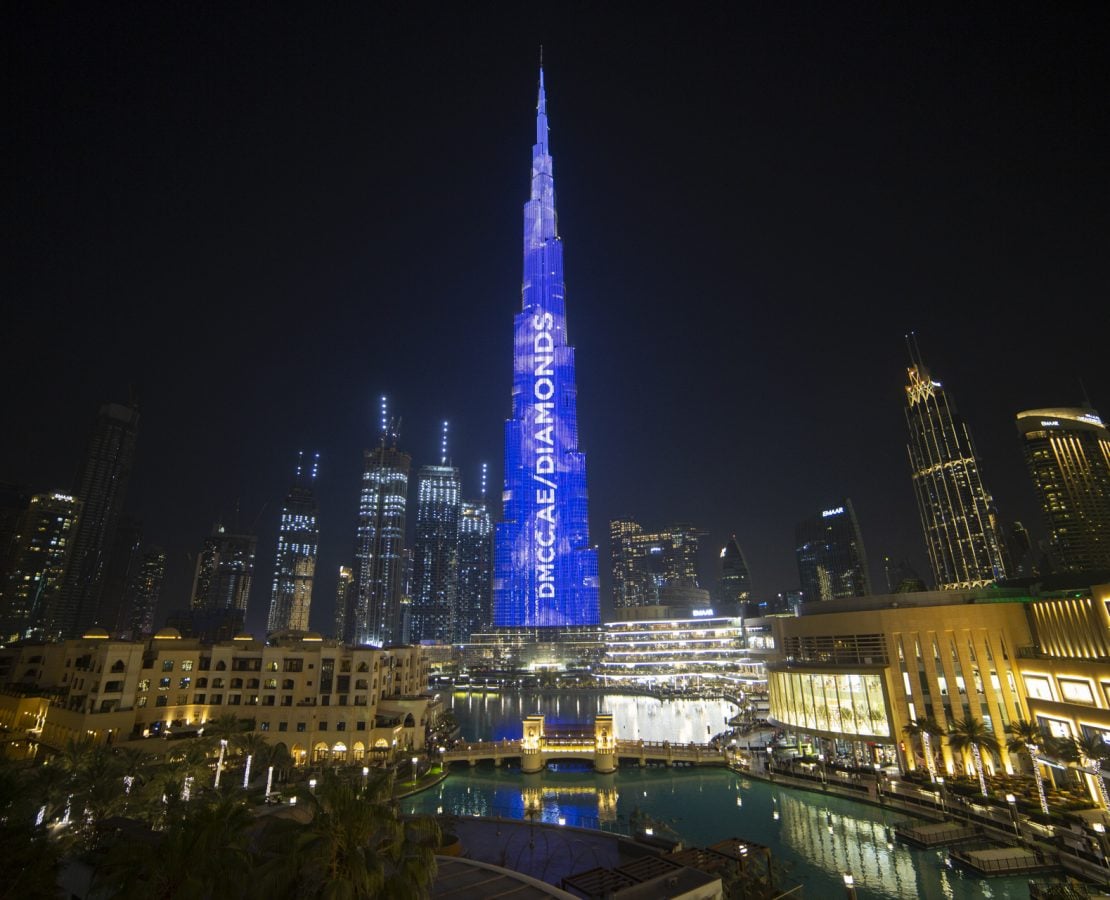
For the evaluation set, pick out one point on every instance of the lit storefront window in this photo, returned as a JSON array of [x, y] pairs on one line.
[[846, 703]]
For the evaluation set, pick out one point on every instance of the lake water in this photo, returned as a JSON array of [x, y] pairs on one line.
[[817, 838], [499, 716]]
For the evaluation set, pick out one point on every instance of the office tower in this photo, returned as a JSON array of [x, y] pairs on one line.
[[435, 552], [735, 585], [379, 542], [829, 550], [101, 487], [1068, 454], [345, 595], [475, 609], [645, 564], [222, 584], [901, 578], [41, 544], [1020, 559], [295, 564], [14, 500], [123, 565], [545, 572], [963, 545], [145, 592]]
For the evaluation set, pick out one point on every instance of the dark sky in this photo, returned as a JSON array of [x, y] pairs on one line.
[[261, 219]]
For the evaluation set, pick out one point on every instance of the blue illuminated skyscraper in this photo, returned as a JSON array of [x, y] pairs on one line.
[[545, 572]]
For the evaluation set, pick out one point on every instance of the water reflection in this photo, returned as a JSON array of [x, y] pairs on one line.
[[498, 716], [816, 838]]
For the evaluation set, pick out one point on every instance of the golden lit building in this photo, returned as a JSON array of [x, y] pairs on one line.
[[850, 674], [323, 700], [1066, 672]]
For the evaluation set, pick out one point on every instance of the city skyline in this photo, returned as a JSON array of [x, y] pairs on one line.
[[959, 219]]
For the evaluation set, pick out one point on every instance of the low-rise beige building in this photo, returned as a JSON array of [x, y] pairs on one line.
[[323, 700]]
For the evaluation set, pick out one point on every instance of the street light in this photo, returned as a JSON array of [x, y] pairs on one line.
[[312, 785], [415, 760], [850, 885]]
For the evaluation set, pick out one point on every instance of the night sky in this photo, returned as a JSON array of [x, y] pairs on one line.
[[261, 219]]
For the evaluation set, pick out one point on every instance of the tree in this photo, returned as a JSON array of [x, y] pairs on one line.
[[254, 747], [356, 846], [972, 735], [1091, 751], [204, 852], [924, 729], [1027, 736]]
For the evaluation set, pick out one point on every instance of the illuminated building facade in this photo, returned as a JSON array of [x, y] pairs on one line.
[[344, 599], [960, 531], [735, 585], [295, 564], [849, 675], [101, 487], [1068, 454], [1066, 675], [545, 571], [689, 652], [829, 550], [222, 584], [374, 615], [475, 609], [435, 555], [146, 590], [645, 565], [41, 545], [325, 702]]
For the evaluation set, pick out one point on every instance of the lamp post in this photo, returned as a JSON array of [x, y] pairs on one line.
[[312, 785], [415, 760], [850, 885], [365, 776], [1012, 801], [943, 799]]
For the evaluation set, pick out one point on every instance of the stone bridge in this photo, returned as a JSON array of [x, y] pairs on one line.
[[542, 744]]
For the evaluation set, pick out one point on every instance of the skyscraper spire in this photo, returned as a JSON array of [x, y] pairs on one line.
[[443, 445], [546, 571]]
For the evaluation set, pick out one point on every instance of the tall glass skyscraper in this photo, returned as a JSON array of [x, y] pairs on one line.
[[222, 584], [435, 555], [831, 560], [374, 613], [101, 487], [295, 565], [545, 571], [960, 533], [735, 585], [475, 570], [644, 564], [1068, 454], [41, 545]]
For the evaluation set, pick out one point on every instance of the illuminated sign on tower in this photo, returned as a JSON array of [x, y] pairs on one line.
[[545, 570]]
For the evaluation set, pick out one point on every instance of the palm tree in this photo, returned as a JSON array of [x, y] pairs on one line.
[[1092, 751], [1027, 736], [355, 846], [972, 735], [925, 729], [203, 853], [253, 746]]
